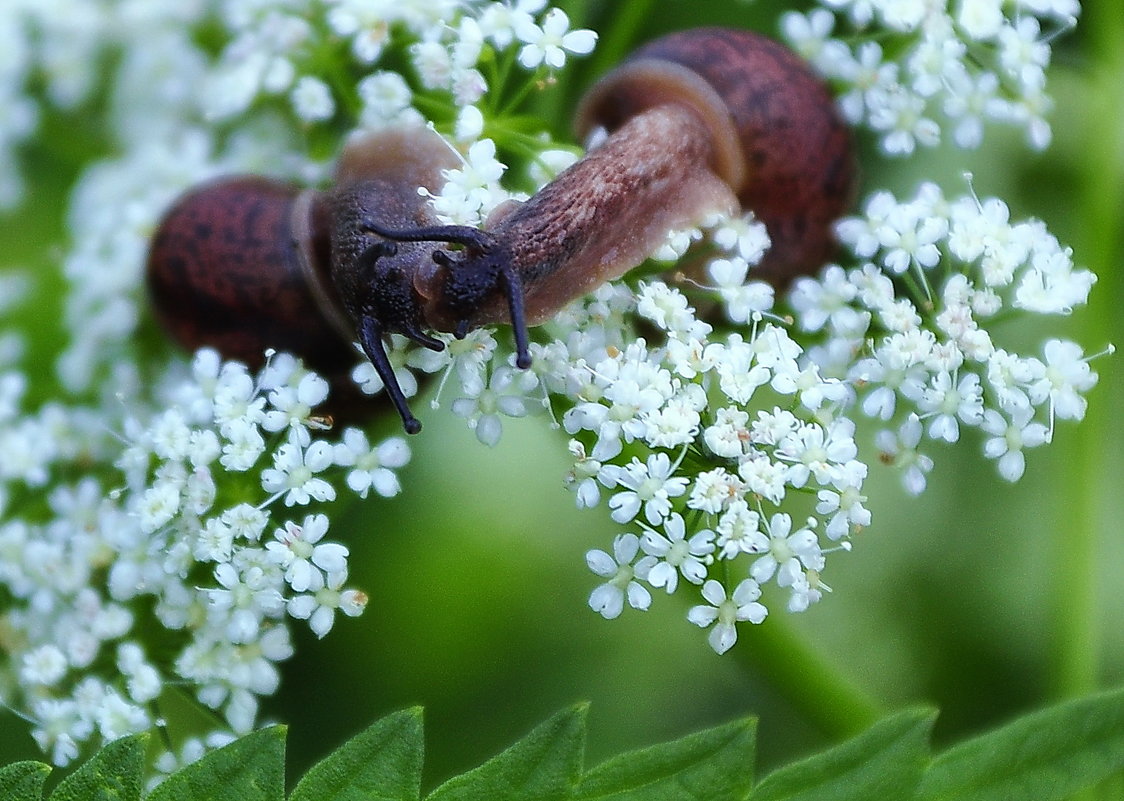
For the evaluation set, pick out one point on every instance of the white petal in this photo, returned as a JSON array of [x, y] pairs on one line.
[[607, 600], [722, 637]]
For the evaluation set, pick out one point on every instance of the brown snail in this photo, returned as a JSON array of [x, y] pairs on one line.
[[702, 121], [697, 122], [245, 263]]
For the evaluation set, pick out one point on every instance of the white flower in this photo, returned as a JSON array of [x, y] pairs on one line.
[[243, 601], [292, 408], [319, 608], [498, 20], [676, 554], [1066, 374], [506, 394], [945, 404], [472, 191], [725, 612], [243, 447], [312, 99], [583, 478], [739, 531], [552, 41], [297, 548], [608, 598], [1008, 439], [649, 484], [790, 552], [44, 665], [900, 450], [844, 502], [294, 473], [373, 467]]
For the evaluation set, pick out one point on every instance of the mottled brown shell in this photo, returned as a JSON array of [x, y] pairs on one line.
[[798, 161], [225, 271]]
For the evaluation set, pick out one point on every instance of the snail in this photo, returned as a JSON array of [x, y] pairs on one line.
[[697, 122], [246, 263]]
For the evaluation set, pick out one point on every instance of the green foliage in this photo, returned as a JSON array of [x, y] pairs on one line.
[[23, 781], [383, 763], [112, 774], [1042, 756], [249, 769]]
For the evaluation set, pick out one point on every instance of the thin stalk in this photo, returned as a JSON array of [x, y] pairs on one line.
[[1085, 517], [1090, 517], [817, 689]]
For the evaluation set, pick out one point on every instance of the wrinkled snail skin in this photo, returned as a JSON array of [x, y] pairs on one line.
[[698, 122], [246, 263], [225, 271], [703, 121], [799, 168]]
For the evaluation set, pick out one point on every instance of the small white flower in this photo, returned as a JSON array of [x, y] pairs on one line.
[[790, 552], [319, 608], [900, 450], [739, 531], [506, 394], [294, 473], [43, 666], [725, 612], [649, 484], [608, 598], [1008, 438], [297, 548], [552, 41], [373, 468], [243, 447], [292, 408], [676, 554], [1067, 373], [312, 99]]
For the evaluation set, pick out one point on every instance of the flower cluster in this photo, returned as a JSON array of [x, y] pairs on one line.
[[181, 549], [926, 358], [936, 67], [206, 534]]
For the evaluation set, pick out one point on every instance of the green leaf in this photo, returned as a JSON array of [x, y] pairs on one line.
[[710, 765], [543, 765], [383, 763], [23, 781], [1043, 756], [112, 774], [251, 768], [886, 761]]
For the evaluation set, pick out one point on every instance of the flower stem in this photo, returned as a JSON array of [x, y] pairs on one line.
[[1092, 491], [1090, 518], [817, 689]]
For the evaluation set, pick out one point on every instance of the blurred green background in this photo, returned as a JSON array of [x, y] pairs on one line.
[[979, 597]]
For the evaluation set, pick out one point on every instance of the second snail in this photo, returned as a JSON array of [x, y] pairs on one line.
[[705, 121]]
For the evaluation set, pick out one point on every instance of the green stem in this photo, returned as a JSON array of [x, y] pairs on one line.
[[1092, 500], [1089, 519], [817, 689]]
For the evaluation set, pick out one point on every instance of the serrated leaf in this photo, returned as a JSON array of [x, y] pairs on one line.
[[886, 761], [711, 765], [23, 781], [1043, 756], [252, 768], [112, 774], [543, 765], [383, 763]]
